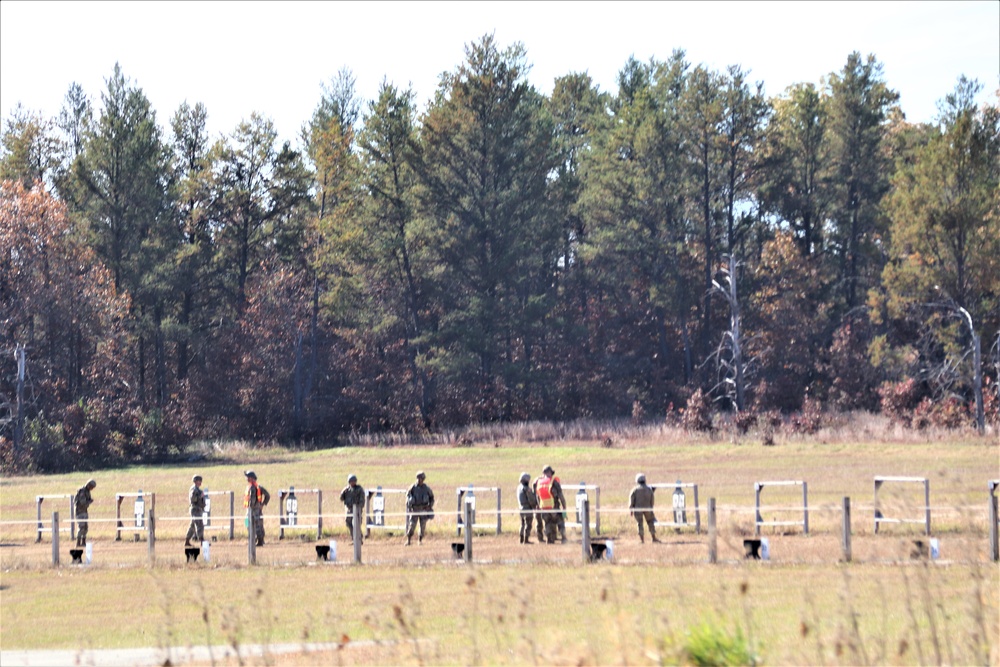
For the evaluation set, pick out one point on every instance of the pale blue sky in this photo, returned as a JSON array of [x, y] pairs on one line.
[[239, 57]]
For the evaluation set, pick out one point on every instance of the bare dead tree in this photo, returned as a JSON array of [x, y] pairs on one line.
[[733, 363]]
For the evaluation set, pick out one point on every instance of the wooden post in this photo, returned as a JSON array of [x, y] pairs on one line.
[[713, 550], [467, 520], [252, 538], [846, 542], [585, 528], [151, 536], [232, 515], [55, 539], [356, 533], [994, 545]]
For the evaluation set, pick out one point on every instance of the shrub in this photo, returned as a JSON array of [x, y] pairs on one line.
[[711, 645], [899, 400], [745, 421], [697, 415], [809, 419]]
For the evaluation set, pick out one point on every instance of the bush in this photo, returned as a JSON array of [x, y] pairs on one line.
[[697, 416], [809, 420], [711, 645], [745, 421], [899, 400]]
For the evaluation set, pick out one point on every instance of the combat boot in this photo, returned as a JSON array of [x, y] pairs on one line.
[[420, 539], [408, 538], [652, 534], [641, 538]]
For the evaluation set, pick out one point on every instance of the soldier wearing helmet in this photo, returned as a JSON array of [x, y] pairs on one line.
[[419, 507], [640, 504], [552, 503], [352, 496], [196, 502], [83, 500], [255, 499], [528, 502]]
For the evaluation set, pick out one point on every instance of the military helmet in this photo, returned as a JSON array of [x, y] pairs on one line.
[[421, 475], [196, 478], [250, 473], [640, 479], [352, 478], [547, 470], [91, 483], [525, 478]]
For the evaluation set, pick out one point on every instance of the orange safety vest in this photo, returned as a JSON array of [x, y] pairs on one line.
[[246, 496], [545, 499]]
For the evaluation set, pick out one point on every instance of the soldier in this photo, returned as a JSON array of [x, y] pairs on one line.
[[640, 503], [83, 501], [552, 502], [419, 499], [256, 499], [529, 503], [196, 500], [352, 495]]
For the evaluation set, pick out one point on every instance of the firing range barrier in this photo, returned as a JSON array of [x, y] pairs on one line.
[[145, 520]]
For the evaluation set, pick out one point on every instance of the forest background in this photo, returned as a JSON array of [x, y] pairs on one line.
[[681, 246]]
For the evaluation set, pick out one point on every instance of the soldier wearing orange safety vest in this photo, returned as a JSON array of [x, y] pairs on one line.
[[255, 499], [552, 503]]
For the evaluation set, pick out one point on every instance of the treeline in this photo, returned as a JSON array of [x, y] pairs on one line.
[[498, 256]]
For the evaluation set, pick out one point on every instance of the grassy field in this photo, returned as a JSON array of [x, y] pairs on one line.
[[537, 603]]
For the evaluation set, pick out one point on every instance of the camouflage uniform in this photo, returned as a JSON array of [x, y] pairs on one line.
[[196, 500], [419, 498], [83, 501], [255, 500], [353, 494], [640, 502], [528, 503]]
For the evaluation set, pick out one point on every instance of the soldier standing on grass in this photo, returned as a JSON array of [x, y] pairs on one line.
[[640, 503], [528, 503], [255, 499], [196, 499], [419, 500], [552, 502], [352, 495], [83, 501]]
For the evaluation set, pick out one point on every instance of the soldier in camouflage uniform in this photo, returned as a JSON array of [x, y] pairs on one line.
[[419, 499], [83, 501], [528, 503], [255, 499], [640, 503], [352, 495], [196, 500]]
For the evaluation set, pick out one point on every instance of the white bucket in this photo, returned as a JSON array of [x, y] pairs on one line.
[[935, 548], [765, 549], [609, 551], [205, 545], [89, 556], [333, 550]]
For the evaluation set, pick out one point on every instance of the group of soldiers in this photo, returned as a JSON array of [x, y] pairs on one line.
[[543, 496]]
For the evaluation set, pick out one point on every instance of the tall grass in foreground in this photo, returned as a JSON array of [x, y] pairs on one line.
[[905, 613]]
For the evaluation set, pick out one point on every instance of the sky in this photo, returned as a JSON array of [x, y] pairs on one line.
[[272, 58]]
